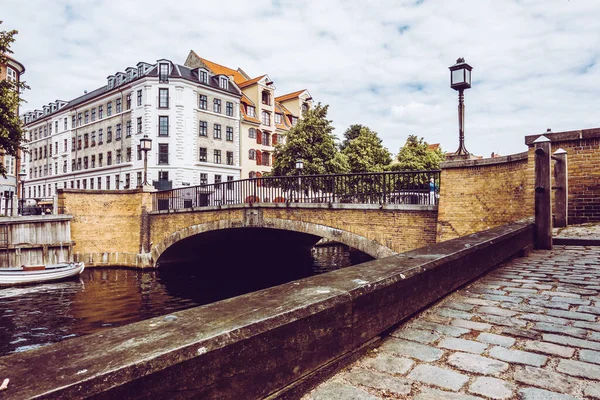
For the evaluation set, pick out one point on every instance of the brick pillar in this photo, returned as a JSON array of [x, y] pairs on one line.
[[543, 191], [561, 179]]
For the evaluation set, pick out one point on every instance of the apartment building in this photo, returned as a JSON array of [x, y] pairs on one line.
[[9, 186], [93, 142], [265, 119]]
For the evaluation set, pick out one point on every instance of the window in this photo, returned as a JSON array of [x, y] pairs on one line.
[[223, 82], [118, 106], [109, 109], [139, 152], [109, 134], [99, 183], [229, 134], [93, 161], [92, 183], [55, 147], [65, 123], [163, 98], [217, 105], [163, 175], [78, 163], [65, 145], [87, 117], [139, 97], [203, 128], [266, 118], [163, 125], [217, 156], [65, 166], [251, 111], [294, 120], [100, 112], [138, 179], [117, 181], [139, 125], [109, 158], [93, 114], [128, 101], [217, 178], [163, 72], [78, 142], [252, 133], [100, 159], [229, 182], [251, 154], [118, 156], [56, 126], [202, 102], [202, 154], [86, 141], [265, 139], [163, 153], [230, 158], [128, 154], [127, 181], [73, 139], [11, 75], [100, 137], [266, 158], [108, 183], [203, 179], [118, 132], [78, 120], [72, 124], [203, 77], [277, 118], [266, 97], [217, 131], [304, 108], [229, 109], [128, 129], [85, 162]]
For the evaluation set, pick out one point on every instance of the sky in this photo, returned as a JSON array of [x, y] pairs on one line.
[[379, 63]]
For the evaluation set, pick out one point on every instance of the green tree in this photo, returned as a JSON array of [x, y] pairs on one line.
[[416, 155], [351, 133], [312, 141], [365, 152], [11, 129]]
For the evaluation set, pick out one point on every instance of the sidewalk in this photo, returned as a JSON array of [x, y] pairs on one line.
[[527, 330], [590, 230]]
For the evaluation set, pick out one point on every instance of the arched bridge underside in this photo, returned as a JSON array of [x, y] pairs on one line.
[[375, 231]]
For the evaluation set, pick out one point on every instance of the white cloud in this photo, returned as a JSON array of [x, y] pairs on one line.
[[383, 63]]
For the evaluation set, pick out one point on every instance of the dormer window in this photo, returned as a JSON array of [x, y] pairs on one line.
[[266, 97], [203, 76], [251, 111], [111, 82], [163, 72], [140, 70], [277, 118], [223, 82]]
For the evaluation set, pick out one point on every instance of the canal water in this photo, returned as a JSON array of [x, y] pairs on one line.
[[35, 316]]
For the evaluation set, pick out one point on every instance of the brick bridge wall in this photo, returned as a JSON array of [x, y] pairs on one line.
[[480, 194], [583, 159], [372, 230]]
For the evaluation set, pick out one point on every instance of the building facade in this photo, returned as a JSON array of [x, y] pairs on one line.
[[9, 186], [265, 119], [93, 142]]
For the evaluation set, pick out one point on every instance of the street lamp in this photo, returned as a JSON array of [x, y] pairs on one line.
[[299, 166], [145, 146], [22, 176], [460, 79]]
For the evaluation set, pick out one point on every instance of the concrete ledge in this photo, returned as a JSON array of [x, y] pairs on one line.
[[575, 241], [484, 161], [593, 133], [29, 219], [254, 345]]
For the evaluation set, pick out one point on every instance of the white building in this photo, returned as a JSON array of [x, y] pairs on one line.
[[93, 142]]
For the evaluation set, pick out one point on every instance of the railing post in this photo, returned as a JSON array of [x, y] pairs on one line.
[[543, 205], [561, 180]]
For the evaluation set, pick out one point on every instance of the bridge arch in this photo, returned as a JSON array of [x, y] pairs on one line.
[[367, 246]]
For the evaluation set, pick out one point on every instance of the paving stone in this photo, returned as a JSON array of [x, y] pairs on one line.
[[561, 294], [592, 390], [417, 335], [340, 391], [536, 286], [486, 291], [549, 304], [443, 329], [504, 283], [567, 330], [478, 364], [478, 326], [541, 394], [549, 348], [457, 305], [412, 349], [519, 290], [492, 387], [479, 302], [524, 280], [523, 308], [509, 299], [520, 333], [546, 379], [588, 309], [579, 368], [496, 311], [585, 292], [389, 364], [499, 340], [544, 318], [572, 315], [589, 356], [504, 321], [448, 312], [587, 325], [570, 341], [569, 300], [594, 336], [469, 346], [378, 380], [435, 394], [440, 377], [517, 356]]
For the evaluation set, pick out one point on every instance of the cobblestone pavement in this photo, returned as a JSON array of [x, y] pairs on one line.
[[590, 230], [527, 330]]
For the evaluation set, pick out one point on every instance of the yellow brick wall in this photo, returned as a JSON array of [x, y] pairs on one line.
[[482, 194]]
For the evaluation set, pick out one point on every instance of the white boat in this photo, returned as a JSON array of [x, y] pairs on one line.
[[39, 273]]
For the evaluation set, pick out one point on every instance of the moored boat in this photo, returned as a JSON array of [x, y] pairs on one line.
[[27, 274]]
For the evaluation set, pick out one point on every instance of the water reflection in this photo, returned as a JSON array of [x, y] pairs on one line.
[[35, 316]]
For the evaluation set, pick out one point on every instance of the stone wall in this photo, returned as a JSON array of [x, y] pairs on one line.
[[480, 194], [583, 159], [105, 225]]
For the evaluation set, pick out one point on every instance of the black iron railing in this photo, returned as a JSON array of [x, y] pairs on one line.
[[414, 187]]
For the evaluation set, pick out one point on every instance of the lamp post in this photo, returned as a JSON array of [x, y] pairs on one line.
[[460, 79], [145, 146], [299, 167], [22, 176]]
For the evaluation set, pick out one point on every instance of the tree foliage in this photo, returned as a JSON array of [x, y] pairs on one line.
[[11, 129], [416, 155], [364, 150], [351, 133], [312, 141]]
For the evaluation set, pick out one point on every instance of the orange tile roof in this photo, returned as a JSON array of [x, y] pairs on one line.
[[246, 117], [250, 82], [219, 69], [283, 109], [289, 96], [246, 100], [434, 146]]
